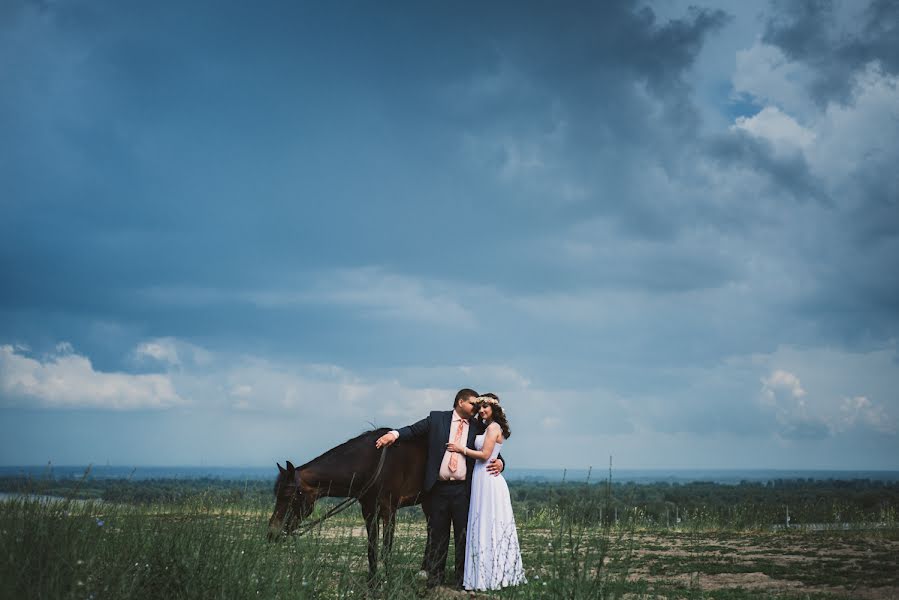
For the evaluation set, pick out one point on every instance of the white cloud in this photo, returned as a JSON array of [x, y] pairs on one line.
[[68, 380], [162, 350], [781, 130], [169, 352], [780, 381], [261, 401], [827, 410], [783, 393], [860, 410]]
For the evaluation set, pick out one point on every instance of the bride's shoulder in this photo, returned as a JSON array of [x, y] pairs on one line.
[[493, 428]]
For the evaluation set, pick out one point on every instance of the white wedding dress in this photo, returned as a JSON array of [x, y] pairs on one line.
[[492, 554]]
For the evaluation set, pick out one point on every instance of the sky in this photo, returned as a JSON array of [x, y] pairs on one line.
[[234, 233]]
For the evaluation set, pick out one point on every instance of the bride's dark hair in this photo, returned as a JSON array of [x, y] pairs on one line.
[[499, 415]]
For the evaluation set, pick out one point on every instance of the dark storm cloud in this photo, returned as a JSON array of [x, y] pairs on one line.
[[811, 32], [215, 144], [224, 148], [786, 173]]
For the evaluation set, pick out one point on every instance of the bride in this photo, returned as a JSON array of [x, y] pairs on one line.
[[492, 554]]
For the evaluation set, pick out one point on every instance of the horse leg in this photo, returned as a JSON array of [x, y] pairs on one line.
[[389, 530], [388, 514], [369, 512]]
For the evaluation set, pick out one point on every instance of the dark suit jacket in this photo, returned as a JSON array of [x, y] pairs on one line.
[[436, 428]]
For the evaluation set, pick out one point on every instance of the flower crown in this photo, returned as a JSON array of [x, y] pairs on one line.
[[487, 400]]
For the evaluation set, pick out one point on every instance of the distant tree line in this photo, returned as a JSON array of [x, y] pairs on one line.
[[784, 502], [707, 504]]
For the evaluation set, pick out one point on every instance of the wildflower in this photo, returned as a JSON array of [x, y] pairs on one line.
[[100, 522]]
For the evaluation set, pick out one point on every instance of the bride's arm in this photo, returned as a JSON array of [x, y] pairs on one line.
[[491, 436]]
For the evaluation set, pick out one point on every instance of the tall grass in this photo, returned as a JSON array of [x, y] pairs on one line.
[[210, 546], [205, 548]]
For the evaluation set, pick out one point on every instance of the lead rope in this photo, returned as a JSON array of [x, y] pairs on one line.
[[343, 505]]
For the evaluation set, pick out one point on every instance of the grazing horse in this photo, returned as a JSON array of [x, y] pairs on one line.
[[344, 471]]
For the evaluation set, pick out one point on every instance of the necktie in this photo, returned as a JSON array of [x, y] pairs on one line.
[[454, 458]]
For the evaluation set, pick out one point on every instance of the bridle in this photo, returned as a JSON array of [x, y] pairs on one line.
[[340, 507]]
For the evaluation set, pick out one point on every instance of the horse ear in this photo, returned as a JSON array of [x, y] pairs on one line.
[[290, 466], [280, 468]]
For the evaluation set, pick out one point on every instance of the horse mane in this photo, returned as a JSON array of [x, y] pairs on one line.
[[340, 450]]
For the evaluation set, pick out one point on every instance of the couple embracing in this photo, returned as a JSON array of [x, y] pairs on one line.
[[464, 488]]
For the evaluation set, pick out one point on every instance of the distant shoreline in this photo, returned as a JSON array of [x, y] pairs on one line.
[[726, 476]]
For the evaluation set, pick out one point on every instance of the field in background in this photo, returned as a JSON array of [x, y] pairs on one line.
[[205, 539]]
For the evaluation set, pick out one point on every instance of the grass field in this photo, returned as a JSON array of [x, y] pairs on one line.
[[205, 548]]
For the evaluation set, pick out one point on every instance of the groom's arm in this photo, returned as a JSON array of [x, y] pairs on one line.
[[497, 465], [415, 430]]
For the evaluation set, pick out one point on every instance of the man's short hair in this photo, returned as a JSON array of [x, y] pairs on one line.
[[464, 394]]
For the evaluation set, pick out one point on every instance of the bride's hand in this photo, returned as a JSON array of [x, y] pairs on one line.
[[454, 448]]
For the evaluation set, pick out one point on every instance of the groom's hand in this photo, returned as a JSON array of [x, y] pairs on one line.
[[385, 440], [495, 466]]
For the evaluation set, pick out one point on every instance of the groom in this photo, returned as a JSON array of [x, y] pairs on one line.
[[447, 484]]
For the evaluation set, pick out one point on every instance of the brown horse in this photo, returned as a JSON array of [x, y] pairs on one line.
[[346, 470]]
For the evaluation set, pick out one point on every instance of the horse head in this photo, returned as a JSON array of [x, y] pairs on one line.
[[294, 502]]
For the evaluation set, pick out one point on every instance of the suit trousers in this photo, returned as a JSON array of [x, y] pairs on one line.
[[448, 506]]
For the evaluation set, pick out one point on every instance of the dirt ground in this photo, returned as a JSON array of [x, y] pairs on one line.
[[718, 564], [853, 564]]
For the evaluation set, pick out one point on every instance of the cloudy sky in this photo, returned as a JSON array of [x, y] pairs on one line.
[[233, 233]]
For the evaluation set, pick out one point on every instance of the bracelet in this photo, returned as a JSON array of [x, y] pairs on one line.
[[464, 450]]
